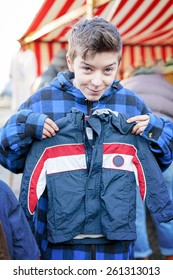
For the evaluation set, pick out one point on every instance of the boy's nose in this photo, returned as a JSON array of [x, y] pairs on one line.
[[96, 80]]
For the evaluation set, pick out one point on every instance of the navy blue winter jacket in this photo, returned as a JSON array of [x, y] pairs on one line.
[[90, 170], [21, 242]]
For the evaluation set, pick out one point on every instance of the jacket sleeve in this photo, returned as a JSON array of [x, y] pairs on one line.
[[157, 197], [159, 133], [17, 135], [38, 218]]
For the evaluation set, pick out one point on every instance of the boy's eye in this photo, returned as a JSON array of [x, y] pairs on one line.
[[86, 68], [108, 69]]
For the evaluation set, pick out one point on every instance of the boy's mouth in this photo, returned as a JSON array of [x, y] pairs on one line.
[[94, 91]]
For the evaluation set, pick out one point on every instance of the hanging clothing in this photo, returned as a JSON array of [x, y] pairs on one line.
[[23, 72]]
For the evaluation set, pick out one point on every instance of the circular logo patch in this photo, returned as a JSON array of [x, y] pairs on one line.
[[118, 161]]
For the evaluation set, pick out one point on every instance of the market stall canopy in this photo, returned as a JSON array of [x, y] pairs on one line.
[[146, 28]]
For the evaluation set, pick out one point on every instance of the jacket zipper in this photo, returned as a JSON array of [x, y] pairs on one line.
[[89, 107]]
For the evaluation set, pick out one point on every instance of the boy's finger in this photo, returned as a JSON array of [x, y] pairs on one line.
[[138, 118], [52, 124]]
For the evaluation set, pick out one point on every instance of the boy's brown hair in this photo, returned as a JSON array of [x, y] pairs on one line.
[[91, 36]]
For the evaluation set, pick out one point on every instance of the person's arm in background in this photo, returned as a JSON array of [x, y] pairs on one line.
[[24, 244], [20, 239]]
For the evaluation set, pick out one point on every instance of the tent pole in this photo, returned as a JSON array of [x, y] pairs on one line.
[[89, 8], [113, 10]]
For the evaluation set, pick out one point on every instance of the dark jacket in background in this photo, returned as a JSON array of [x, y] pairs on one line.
[[20, 240]]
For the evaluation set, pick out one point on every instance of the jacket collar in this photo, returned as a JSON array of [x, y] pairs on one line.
[[103, 115], [118, 120]]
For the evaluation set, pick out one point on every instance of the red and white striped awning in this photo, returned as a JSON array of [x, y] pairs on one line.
[[146, 28]]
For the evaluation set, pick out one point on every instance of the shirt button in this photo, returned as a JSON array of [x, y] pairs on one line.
[[150, 135]]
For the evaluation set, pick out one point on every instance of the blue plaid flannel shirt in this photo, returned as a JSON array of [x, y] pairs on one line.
[[55, 101]]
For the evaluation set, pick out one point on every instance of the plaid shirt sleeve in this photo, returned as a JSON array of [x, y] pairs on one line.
[[17, 135], [159, 133]]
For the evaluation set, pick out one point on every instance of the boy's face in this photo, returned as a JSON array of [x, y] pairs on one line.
[[94, 75]]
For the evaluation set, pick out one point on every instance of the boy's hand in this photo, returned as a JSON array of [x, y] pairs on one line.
[[49, 128], [141, 123]]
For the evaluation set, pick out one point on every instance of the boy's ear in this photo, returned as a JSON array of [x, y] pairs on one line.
[[69, 63]]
